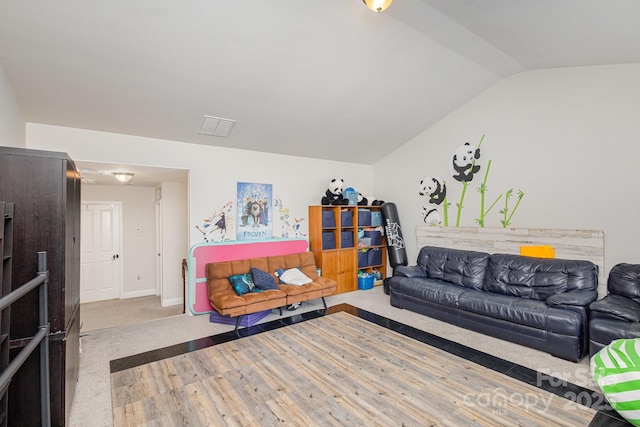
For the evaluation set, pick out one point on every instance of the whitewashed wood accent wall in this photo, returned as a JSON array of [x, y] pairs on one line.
[[567, 244]]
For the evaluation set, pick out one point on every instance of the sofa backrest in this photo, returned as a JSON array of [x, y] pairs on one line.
[[460, 267], [538, 278], [218, 273], [624, 280]]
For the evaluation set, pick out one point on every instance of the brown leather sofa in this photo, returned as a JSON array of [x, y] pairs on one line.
[[226, 301]]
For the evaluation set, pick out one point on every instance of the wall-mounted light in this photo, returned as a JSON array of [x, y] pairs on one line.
[[377, 5], [123, 177]]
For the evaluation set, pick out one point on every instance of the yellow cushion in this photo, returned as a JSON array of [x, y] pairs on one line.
[[537, 251]]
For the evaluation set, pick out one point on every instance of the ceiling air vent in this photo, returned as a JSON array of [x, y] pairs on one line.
[[216, 126]]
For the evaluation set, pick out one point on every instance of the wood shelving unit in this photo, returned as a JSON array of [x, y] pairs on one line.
[[340, 252]]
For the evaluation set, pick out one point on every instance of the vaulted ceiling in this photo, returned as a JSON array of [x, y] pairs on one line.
[[327, 80]]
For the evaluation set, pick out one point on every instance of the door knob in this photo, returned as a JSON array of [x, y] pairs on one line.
[[116, 256]]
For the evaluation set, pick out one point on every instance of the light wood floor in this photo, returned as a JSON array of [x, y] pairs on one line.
[[335, 370]]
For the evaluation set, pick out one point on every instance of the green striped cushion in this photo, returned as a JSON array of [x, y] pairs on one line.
[[616, 370]]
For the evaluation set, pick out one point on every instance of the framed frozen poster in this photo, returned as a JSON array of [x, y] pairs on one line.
[[254, 212]]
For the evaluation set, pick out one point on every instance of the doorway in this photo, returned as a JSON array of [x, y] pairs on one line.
[[141, 269], [100, 249]]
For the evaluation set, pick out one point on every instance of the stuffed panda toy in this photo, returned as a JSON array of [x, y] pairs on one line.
[[435, 188], [333, 195], [374, 201], [463, 162], [362, 201], [430, 216]]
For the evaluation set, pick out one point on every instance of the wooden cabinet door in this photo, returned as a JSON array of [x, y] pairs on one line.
[[339, 265], [348, 266]]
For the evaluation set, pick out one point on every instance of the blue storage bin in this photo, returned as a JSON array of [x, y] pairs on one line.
[[364, 241], [328, 219], [346, 239], [364, 217], [375, 236], [346, 218], [376, 219], [363, 258], [375, 256], [328, 240], [365, 282]]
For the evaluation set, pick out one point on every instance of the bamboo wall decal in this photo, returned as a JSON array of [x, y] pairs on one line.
[[483, 189], [507, 217], [466, 175], [463, 168], [445, 210]]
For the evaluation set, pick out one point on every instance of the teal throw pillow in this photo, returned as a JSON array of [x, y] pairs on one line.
[[243, 284], [262, 279]]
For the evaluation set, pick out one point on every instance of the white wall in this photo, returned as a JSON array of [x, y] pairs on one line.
[[214, 174], [174, 240], [138, 211], [214, 171], [569, 138], [12, 124]]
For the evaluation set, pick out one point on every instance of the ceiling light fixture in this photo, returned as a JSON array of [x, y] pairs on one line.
[[123, 177], [377, 5]]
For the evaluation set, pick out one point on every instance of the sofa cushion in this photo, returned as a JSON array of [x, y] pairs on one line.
[[616, 307], [624, 279], [293, 276], [243, 283], [459, 267], [229, 303], [538, 278], [432, 290], [605, 331], [528, 312], [225, 300], [262, 279]]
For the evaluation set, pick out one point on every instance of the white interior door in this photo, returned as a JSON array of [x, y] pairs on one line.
[[100, 250]]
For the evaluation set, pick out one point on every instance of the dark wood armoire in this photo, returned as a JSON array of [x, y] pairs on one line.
[[44, 188]]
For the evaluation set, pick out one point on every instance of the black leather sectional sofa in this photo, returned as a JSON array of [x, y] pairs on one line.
[[539, 303]]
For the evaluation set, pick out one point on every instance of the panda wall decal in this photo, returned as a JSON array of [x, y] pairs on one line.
[[464, 168], [463, 162], [436, 190], [431, 216], [464, 165]]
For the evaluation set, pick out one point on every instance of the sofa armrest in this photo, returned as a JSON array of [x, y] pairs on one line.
[[409, 271], [575, 298], [616, 306]]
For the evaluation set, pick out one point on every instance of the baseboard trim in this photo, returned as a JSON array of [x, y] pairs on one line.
[[136, 294], [171, 301]]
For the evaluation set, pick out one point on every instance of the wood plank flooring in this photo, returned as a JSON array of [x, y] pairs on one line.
[[336, 370]]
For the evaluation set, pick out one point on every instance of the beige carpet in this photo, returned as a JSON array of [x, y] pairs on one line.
[[119, 312], [336, 370]]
